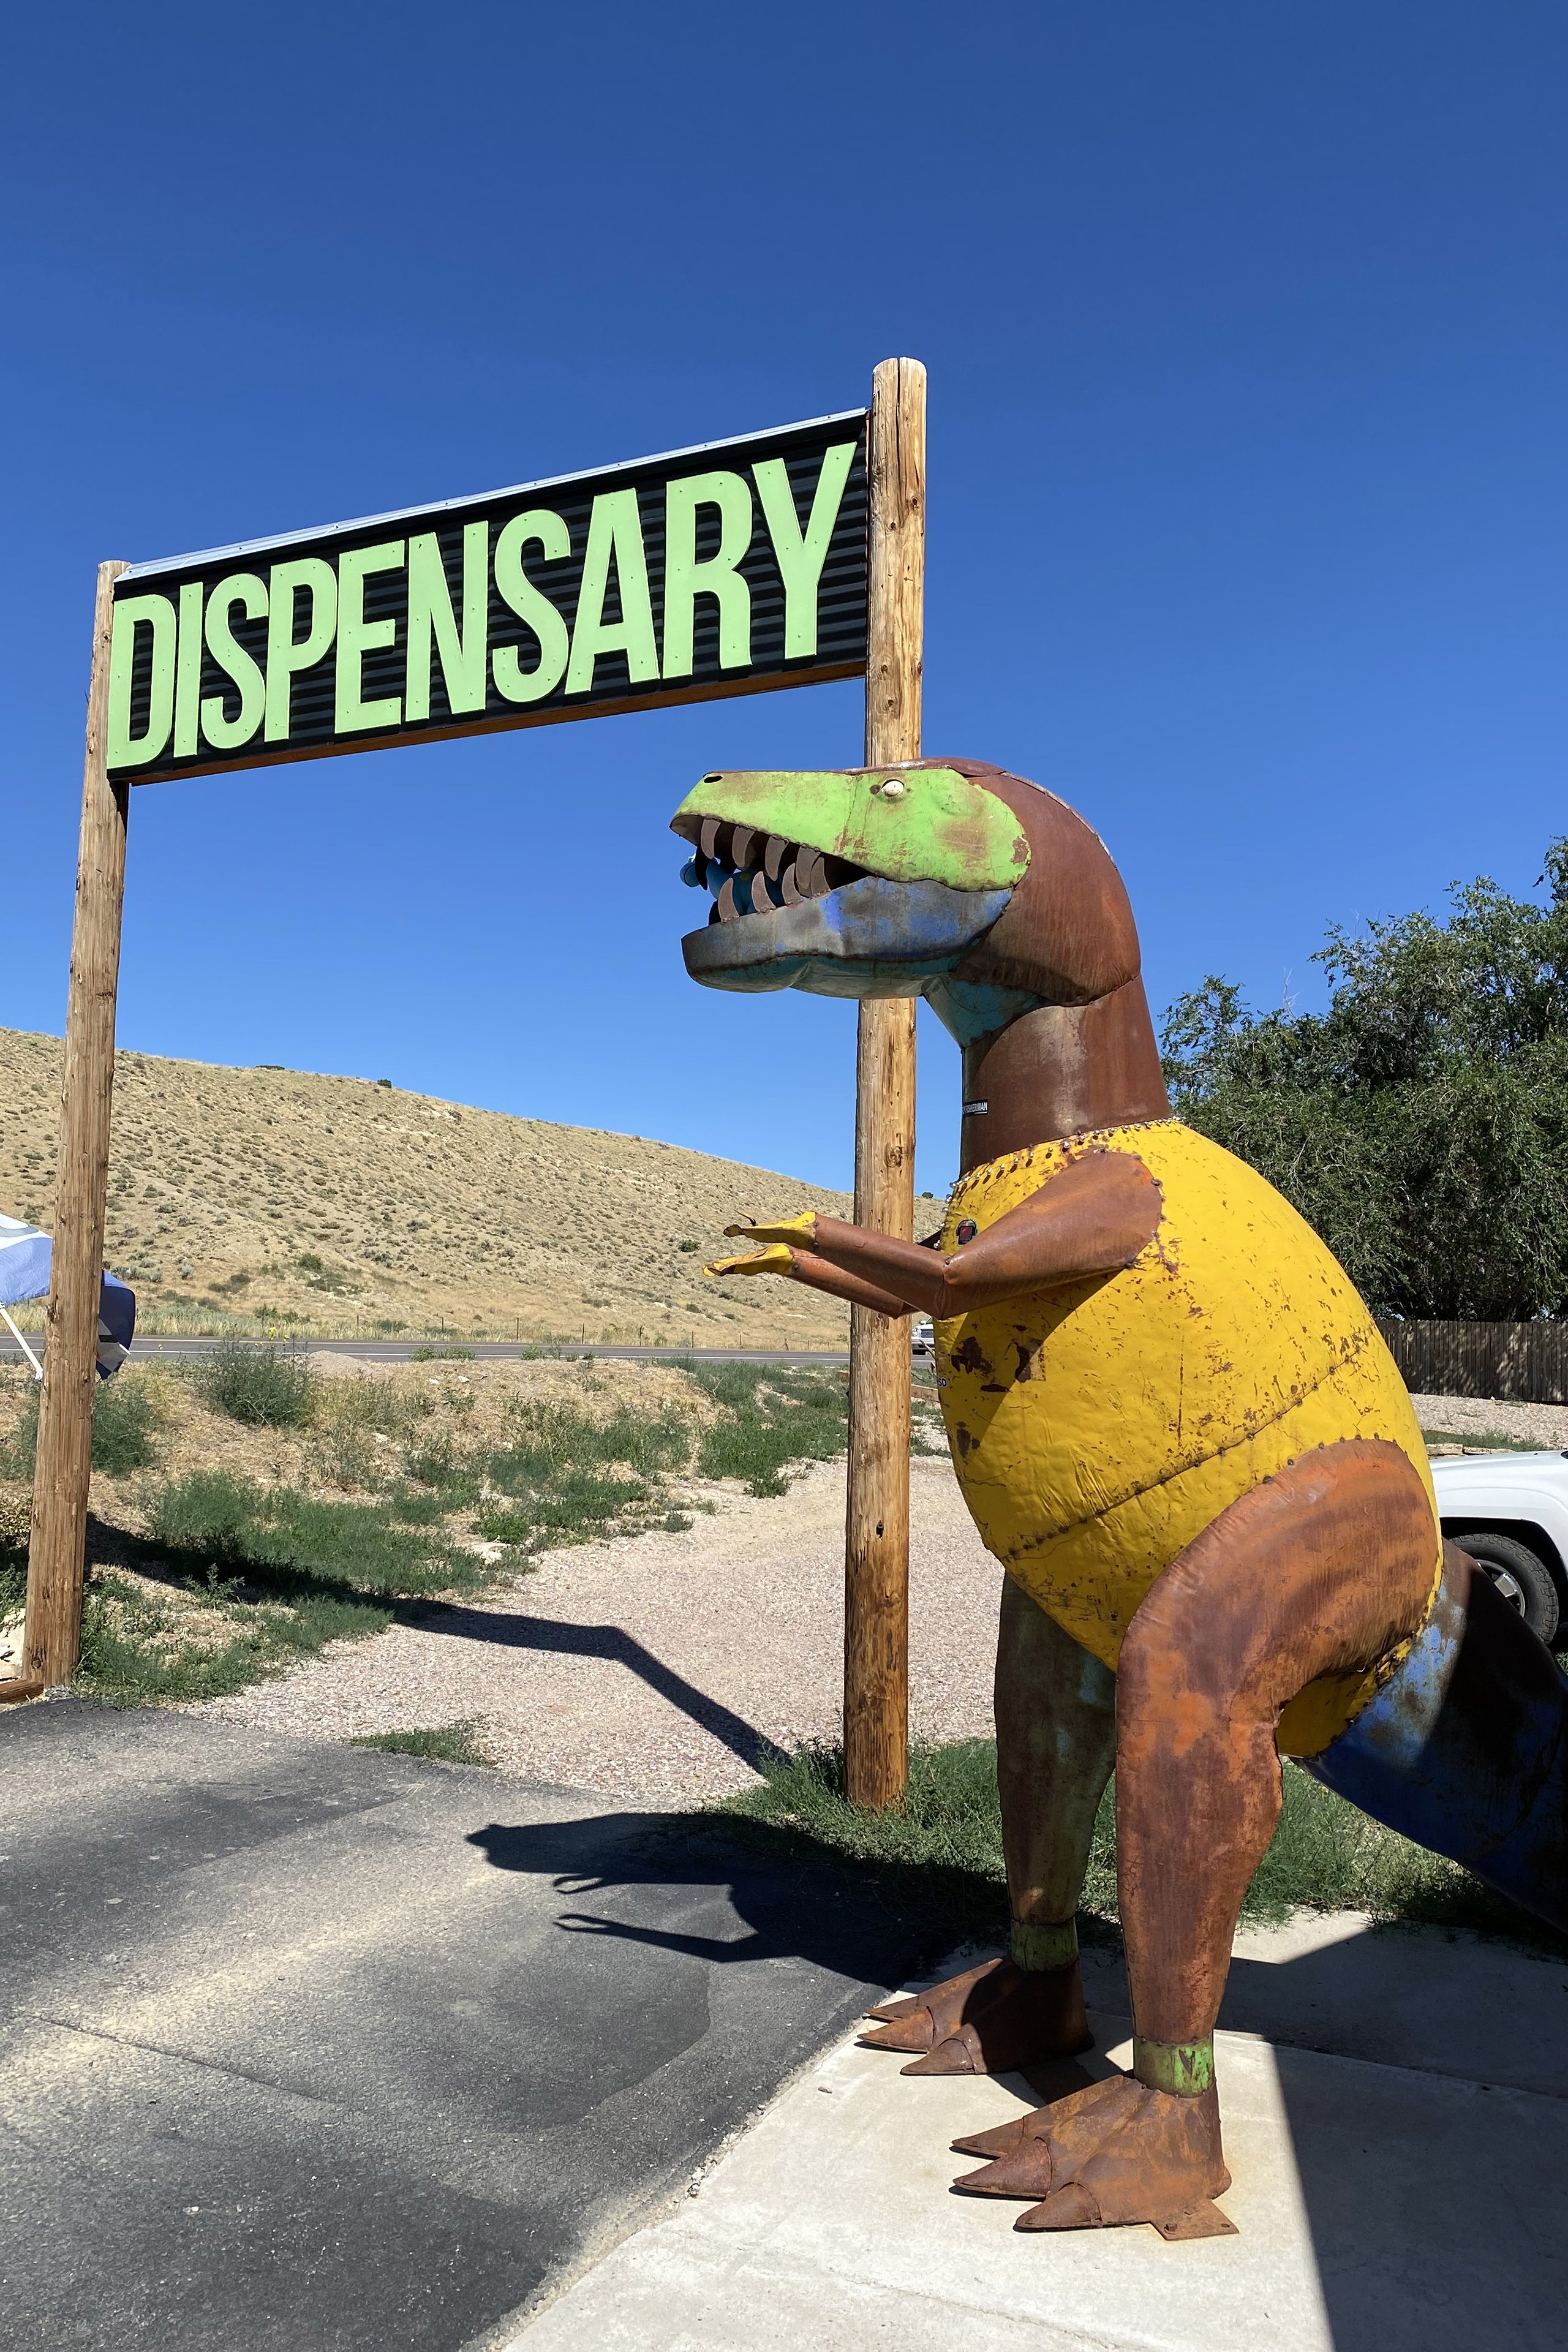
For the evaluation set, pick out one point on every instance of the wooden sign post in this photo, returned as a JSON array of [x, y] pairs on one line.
[[53, 1636], [876, 1534]]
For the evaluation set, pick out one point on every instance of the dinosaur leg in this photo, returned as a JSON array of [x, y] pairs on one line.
[[1318, 1571], [1056, 1744]]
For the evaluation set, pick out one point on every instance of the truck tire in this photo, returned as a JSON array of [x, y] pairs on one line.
[[1521, 1577]]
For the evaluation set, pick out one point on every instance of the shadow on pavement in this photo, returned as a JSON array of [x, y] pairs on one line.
[[557, 1636]]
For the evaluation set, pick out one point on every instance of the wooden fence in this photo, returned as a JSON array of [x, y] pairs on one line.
[[1525, 1363]]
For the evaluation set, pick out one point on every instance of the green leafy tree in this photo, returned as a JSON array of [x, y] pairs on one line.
[[1421, 1124]]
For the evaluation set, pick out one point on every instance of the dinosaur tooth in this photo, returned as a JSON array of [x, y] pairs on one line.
[[775, 854]]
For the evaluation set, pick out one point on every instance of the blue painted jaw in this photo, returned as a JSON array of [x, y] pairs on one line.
[[869, 937]]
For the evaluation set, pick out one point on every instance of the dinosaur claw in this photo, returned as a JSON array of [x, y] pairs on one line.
[[1026, 2172], [903, 2033], [890, 2012], [1072, 2208], [957, 2053], [1001, 2141]]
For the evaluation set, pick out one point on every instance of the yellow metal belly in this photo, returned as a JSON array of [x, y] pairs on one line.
[[1095, 1430]]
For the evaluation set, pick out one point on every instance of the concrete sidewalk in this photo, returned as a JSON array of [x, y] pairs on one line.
[[1400, 2182]]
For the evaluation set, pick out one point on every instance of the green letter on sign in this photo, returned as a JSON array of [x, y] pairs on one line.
[[615, 530], [131, 613], [800, 561], [188, 673], [430, 608], [243, 588], [285, 653], [520, 684], [685, 579], [357, 636]]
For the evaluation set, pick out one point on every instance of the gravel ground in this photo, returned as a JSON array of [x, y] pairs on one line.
[[649, 1667], [1545, 1425]]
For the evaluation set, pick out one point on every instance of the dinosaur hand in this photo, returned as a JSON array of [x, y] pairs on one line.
[[802, 1231], [776, 1260]]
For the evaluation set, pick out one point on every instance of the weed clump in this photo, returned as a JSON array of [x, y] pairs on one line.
[[770, 1417], [445, 1743], [276, 1535], [127, 1413], [256, 1385], [567, 1476]]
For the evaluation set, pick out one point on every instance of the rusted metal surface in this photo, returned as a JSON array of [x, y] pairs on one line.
[[1176, 1425], [988, 2021], [1095, 1217], [1115, 2153]]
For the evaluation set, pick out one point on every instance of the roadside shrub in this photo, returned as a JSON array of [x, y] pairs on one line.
[[256, 1385], [275, 1535], [126, 1413], [772, 1417]]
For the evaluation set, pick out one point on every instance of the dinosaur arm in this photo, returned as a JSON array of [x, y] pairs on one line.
[[1092, 1218], [796, 1264]]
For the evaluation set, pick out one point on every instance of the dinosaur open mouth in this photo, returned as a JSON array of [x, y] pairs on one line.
[[746, 871], [853, 883]]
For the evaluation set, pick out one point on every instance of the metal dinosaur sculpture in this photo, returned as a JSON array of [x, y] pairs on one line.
[[1176, 1425]]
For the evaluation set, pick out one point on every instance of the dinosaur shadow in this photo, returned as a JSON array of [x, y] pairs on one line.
[[560, 1637], [1423, 2085], [873, 1922]]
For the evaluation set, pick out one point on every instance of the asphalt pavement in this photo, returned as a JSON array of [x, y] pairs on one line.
[[313, 2047]]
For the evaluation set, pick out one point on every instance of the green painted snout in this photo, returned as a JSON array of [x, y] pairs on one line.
[[907, 824]]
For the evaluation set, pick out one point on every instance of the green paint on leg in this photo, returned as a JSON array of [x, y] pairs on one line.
[[1048, 1945], [1184, 2068]]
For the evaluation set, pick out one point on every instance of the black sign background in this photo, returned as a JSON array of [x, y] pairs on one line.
[[841, 606]]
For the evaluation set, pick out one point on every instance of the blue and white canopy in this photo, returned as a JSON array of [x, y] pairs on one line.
[[25, 1256]]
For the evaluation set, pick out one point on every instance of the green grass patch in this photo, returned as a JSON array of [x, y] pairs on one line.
[[770, 1417], [445, 1743], [127, 1413], [567, 1477], [940, 1853], [253, 1580], [441, 1356], [259, 1386], [276, 1533]]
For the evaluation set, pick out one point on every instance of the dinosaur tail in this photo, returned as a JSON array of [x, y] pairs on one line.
[[1465, 1748]]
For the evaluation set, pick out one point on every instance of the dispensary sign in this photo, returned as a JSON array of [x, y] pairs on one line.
[[722, 569]]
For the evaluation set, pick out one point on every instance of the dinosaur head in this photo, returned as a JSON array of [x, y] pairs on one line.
[[944, 879]]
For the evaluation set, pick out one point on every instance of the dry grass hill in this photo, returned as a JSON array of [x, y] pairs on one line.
[[269, 1197]]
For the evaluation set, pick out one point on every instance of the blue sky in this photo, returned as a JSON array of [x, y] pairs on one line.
[[1246, 338]]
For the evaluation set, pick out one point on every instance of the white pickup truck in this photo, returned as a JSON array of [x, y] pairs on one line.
[[1509, 1512]]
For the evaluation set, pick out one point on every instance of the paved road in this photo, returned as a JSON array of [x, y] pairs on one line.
[[313, 2047], [402, 1351]]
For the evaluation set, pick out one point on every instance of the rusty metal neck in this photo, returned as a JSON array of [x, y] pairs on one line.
[[1061, 1070]]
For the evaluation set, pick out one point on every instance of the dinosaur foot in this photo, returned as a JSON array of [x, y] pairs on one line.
[[1115, 2154], [987, 2021]]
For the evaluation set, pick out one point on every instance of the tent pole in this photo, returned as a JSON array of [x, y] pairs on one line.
[[21, 1342]]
